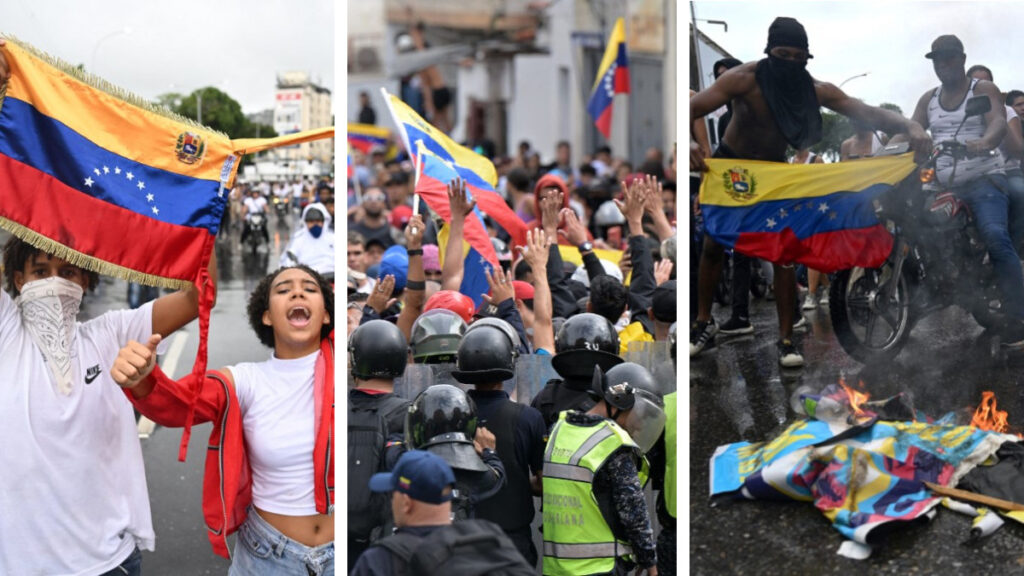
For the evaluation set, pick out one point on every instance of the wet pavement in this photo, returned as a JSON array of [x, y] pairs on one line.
[[175, 488], [738, 392]]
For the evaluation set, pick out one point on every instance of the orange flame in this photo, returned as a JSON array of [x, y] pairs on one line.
[[987, 417], [857, 399]]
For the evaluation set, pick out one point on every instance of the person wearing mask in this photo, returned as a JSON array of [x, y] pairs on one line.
[[594, 473], [371, 220], [776, 104], [57, 386], [313, 244]]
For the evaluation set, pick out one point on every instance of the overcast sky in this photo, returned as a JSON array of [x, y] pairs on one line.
[[234, 45], [886, 39]]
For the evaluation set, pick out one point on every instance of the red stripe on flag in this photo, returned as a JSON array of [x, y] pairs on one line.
[[95, 228], [621, 80], [825, 252], [435, 194], [604, 121]]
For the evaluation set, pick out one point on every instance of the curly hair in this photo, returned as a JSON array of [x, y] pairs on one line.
[[17, 253], [259, 302]]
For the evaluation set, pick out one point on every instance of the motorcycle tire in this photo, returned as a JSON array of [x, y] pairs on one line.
[[855, 321]]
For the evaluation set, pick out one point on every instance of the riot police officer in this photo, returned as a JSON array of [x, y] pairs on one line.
[[376, 421], [435, 336], [487, 356], [583, 341], [594, 473], [442, 420]]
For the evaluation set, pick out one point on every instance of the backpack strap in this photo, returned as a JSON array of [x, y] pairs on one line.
[[400, 544]]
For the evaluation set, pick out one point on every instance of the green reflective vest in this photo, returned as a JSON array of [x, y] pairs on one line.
[[577, 540], [670, 453]]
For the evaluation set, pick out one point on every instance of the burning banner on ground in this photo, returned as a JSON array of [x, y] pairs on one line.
[[866, 464]]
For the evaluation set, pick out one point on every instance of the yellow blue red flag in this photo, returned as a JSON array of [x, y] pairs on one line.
[[612, 78], [820, 215]]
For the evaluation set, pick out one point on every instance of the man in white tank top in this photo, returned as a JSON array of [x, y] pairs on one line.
[[980, 179]]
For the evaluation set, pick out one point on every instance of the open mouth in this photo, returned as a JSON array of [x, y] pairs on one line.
[[299, 316]]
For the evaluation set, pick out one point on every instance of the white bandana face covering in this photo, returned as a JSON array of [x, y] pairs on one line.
[[49, 308]]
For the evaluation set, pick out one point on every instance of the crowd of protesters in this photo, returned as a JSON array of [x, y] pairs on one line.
[[504, 445]]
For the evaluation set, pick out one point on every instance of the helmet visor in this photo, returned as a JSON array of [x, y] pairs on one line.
[[644, 422]]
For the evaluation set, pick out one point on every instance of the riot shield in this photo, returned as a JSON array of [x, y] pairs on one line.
[[532, 372], [657, 358], [419, 377]]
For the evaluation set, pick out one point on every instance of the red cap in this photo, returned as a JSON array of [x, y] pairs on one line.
[[451, 300], [400, 216], [524, 291]]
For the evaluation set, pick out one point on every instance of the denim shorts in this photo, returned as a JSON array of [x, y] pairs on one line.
[[262, 550], [132, 565]]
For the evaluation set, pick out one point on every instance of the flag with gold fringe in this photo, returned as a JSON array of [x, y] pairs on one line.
[[111, 183]]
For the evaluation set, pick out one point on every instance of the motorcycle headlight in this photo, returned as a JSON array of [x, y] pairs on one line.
[[927, 175]]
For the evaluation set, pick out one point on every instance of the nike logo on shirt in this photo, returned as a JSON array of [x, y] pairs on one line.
[[92, 373]]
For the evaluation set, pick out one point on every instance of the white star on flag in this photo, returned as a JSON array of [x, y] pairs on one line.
[[130, 176], [117, 169], [88, 181], [141, 184], [96, 170], [770, 224], [155, 210], [106, 170], [823, 207], [149, 197]]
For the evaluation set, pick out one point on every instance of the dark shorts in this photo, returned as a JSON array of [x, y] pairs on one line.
[[442, 98]]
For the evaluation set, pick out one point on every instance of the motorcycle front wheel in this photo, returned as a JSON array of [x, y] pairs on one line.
[[870, 325]]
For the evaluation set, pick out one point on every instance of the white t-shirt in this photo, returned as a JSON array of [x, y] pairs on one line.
[[254, 205], [278, 416], [73, 496]]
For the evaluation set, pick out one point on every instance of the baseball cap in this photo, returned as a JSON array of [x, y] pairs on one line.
[[420, 475], [663, 302], [395, 262], [400, 216], [524, 291], [946, 44]]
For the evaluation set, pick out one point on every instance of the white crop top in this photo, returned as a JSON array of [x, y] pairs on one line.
[[278, 416]]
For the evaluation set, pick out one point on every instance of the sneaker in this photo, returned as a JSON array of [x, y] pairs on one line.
[[736, 326], [824, 299], [789, 356], [810, 303], [702, 335], [800, 324]]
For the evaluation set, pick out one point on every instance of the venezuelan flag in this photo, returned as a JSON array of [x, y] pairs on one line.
[[474, 267], [364, 137], [443, 161], [110, 183], [612, 78], [820, 215]]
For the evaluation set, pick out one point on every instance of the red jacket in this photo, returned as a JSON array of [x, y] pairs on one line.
[[227, 481]]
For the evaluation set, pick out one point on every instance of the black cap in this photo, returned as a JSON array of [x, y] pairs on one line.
[[663, 303], [787, 32], [946, 44]]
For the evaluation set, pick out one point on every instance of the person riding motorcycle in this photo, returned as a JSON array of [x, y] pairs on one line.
[[255, 203]]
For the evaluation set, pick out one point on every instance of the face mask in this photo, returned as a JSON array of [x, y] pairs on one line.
[[316, 230], [48, 309], [787, 71]]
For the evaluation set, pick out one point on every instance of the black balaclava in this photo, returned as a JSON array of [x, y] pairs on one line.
[[787, 87]]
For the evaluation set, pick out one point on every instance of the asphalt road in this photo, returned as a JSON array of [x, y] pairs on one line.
[[175, 488], [738, 392]]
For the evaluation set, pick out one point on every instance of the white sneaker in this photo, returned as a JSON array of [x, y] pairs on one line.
[[824, 299], [810, 303]]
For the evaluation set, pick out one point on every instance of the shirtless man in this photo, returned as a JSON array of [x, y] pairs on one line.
[[775, 104]]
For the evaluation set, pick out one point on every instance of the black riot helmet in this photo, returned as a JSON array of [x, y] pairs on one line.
[[377, 349], [486, 354], [435, 336], [583, 341], [632, 399], [442, 420]]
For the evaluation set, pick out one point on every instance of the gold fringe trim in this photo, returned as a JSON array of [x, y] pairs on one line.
[[104, 86], [88, 262]]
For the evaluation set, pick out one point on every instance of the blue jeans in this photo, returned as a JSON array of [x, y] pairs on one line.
[[1015, 178], [261, 550], [990, 204], [132, 565]]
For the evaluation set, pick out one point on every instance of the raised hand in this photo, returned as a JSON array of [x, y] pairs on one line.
[[414, 232], [380, 300], [459, 205], [536, 250], [134, 362], [501, 286], [574, 231], [662, 271], [634, 198], [550, 214]]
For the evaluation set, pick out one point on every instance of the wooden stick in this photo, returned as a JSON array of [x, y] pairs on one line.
[[416, 181], [974, 497]]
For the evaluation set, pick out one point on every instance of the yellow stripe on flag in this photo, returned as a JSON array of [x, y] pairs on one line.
[[737, 183]]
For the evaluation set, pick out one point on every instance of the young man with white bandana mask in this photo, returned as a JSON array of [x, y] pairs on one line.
[[73, 489], [312, 243]]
